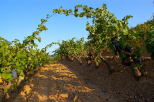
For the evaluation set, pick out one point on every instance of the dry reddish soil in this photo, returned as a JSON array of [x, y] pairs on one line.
[[122, 85], [72, 82]]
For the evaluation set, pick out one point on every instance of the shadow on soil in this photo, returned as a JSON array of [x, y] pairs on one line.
[[72, 82], [121, 84], [55, 83]]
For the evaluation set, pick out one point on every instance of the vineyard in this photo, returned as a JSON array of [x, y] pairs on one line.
[[110, 44]]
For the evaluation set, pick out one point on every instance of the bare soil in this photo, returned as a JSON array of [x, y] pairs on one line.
[[71, 82]]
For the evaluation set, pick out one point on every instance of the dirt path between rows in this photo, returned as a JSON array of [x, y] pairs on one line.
[[120, 85], [72, 82], [57, 83]]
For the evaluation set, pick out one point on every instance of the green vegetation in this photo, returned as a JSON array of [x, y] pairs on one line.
[[71, 49], [105, 25], [18, 58], [103, 28]]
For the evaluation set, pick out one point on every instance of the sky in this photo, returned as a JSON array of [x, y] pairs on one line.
[[19, 18]]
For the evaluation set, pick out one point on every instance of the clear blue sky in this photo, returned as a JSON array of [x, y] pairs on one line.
[[19, 18]]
